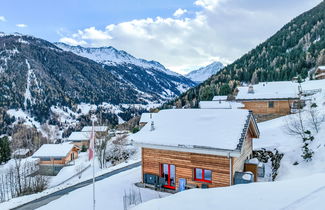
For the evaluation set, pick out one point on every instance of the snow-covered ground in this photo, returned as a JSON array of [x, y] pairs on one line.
[[109, 193], [304, 193]]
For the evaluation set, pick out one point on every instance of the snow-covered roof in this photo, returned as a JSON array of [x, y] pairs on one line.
[[146, 117], [321, 67], [96, 128], [195, 128], [21, 152], [214, 105], [219, 98], [79, 136], [53, 150], [270, 90]]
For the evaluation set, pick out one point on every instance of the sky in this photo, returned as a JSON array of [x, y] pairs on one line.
[[181, 34]]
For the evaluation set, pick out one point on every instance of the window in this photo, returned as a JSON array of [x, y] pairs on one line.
[[202, 175], [168, 173], [271, 104]]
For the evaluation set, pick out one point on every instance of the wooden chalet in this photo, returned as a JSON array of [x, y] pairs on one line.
[[320, 72], [53, 157], [277, 98], [201, 147]]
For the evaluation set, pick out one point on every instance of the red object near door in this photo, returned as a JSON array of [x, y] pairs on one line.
[[168, 173]]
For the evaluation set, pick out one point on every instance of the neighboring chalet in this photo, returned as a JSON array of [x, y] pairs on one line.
[[319, 72], [97, 129], [80, 139], [201, 147], [220, 98], [53, 157], [277, 98], [22, 153], [219, 105]]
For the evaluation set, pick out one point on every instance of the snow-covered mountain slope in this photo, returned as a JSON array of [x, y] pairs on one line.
[[146, 76], [111, 56], [204, 73]]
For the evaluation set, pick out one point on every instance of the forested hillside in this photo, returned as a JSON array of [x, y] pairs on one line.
[[292, 51]]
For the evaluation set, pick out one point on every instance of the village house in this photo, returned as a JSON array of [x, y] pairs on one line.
[[97, 129], [196, 147], [79, 139], [53, 157], [220, 98], [320, 72], [269, 98], [22, 153]]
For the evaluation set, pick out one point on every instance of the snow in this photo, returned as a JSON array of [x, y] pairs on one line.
[[79, 136], [220, 98], [204, 73], [270, 90], [21, 152], [146, 117], [112, 56], [109, 193], [96, 128], [214, 128], [304, 193], [53, 150], [218, 105], [321, 67]]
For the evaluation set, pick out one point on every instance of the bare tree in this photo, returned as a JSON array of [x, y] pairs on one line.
[[101, 146], [315, 118], [295, 125]]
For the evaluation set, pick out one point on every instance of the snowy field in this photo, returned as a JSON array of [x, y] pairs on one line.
[[109, 193], [299, 194]]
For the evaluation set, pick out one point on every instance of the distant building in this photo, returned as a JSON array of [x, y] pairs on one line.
[[219, 105], [80, 139], [97, 129], [53, 157], [196, 147], [320, 72], [269, 97], [220, 98], [22, 153]]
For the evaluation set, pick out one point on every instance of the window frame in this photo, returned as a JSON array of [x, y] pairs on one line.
[[269, 104], [203, 177]]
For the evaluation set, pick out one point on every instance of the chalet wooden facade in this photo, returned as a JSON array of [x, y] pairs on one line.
[[53, 157], [212, 161], [320, 72], [269, 98], [81, 138]]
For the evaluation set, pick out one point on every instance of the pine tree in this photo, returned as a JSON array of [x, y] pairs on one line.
[[4, 150]]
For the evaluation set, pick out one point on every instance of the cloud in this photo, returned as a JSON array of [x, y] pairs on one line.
[[2, 19], [218, 30], [179, 12], [21, 25]]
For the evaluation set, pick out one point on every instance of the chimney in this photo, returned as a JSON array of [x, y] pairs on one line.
[[250, 89], [152, 128]]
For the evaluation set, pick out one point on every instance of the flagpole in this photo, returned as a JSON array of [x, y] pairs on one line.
[[93, 118]]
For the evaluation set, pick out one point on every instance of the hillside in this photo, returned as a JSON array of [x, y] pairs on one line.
[[40, 82], [204, 73], [147, 76], [293, 50]]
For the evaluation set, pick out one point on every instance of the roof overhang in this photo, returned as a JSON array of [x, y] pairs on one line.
[[267, 99], [192, 149]]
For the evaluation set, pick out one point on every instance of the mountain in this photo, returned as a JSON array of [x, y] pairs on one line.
[[204, 73], [146, 76], [293, 50], [36, 75]]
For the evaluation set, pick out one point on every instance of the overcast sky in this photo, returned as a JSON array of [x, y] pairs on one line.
[[181, 34]]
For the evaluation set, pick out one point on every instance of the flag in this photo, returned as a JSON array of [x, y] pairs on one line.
[[91, 146]]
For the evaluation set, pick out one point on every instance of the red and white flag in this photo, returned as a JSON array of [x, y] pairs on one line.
[[91, 146]]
